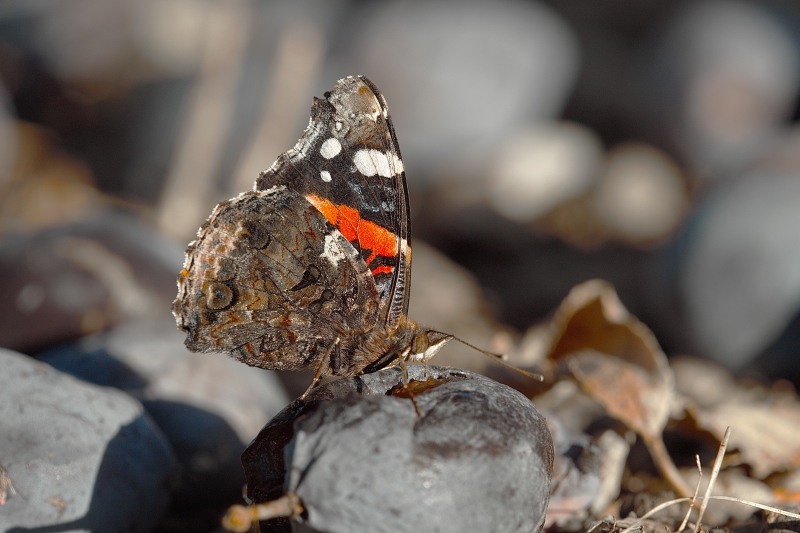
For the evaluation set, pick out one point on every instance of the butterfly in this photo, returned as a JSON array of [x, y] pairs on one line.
[[312, 268]]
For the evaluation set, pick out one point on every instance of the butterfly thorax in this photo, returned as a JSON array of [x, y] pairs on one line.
[[360, 352]]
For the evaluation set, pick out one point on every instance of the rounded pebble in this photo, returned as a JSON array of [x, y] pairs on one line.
[[79, 456], [477, 457]]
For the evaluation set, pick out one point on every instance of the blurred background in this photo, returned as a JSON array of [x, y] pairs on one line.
[[651, 143]]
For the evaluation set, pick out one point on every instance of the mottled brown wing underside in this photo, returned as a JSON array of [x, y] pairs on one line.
[[265, 280]]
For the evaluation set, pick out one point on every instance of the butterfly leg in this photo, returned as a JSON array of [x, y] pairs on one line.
[[401, 360], [324, 365]]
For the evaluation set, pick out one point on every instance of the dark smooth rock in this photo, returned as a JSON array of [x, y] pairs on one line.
[[479, 457], [209, 406], [80, 457]]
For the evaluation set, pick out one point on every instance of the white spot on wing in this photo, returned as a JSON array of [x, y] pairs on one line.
[[385, 107], [364, 163], [330, 148], [325, 175], [371, 162], [397, 163], [333, 251]]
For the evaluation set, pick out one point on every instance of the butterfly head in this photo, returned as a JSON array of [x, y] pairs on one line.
[[426, 343]]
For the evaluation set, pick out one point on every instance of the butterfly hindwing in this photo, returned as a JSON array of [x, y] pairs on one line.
[[266, 279]]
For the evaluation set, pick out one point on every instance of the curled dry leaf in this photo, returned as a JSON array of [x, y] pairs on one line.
[[766, 423], [767, 434], [618, 362]]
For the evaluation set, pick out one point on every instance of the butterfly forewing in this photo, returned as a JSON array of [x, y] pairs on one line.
[[348, 165]]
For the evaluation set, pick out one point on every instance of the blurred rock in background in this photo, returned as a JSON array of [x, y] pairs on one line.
[[459, 76], [543, 166], [729, 79], [740, 277]]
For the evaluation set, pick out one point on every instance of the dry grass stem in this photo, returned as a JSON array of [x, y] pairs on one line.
[[677, 501], [654, 510], [757, 505], [298, 62], [190, 188], [714, 473], [601, 522], [694, 498]]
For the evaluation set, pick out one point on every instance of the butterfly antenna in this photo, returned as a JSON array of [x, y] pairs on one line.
[[500, 358]]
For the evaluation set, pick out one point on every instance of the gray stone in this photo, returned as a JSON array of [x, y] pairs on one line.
[[77, 279], [209, 406], [479, 457], [80, 457]]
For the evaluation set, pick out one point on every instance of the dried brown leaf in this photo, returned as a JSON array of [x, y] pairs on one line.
[[618, 362], [766, 423], [628, 392], [767, 434], [614, 357]]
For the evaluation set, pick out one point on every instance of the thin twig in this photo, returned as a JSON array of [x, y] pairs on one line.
[[694, 498], [297, 64], [239, 517], [598, 523], [190, 188], [714, 473]]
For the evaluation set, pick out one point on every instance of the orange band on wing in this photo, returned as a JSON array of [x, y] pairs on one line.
[[370, 236], [382, 269]]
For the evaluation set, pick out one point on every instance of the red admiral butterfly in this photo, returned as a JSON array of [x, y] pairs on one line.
[[312, 268]]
